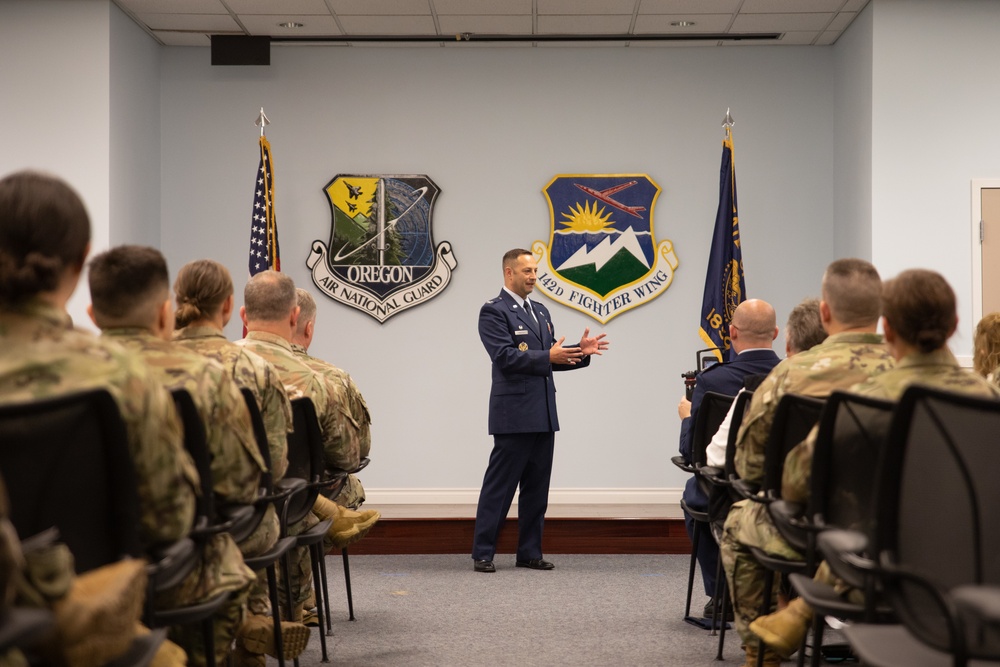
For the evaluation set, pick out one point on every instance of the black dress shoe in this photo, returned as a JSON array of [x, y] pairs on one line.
[[484, 566], [709, 611], [536, 564]]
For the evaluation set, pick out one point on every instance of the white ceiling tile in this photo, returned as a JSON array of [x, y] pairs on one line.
[[311, 25], [688, 6], [265, 7], [486, 25], [173, 7], [828, 37], [487, 7], [799, 37], [183, 38], [585, 7], [780, 22], [584, 25], [789, 6], [388, 25], [380, 7], [660, 23], [854, 5], [197, 22], [841, 21]]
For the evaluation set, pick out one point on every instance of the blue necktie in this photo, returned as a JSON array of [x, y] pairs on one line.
[[527, 307]]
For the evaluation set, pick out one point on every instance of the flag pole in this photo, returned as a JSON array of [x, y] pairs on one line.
[[262, 121]]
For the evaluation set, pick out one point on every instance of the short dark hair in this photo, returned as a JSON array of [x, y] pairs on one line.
[[511, 256], [127, 285], [201, 287], [307, 308], [804, 329], [269, 297], [920, 306], [44, 229], [852, 289]]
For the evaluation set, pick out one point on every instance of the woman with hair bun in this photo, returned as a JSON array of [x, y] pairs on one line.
[[918, 318]]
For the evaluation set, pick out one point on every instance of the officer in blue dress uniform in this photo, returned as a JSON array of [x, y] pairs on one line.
[[520, 340]]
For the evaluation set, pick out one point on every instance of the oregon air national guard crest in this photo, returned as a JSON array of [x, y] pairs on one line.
[[602, 258], [381, 258]]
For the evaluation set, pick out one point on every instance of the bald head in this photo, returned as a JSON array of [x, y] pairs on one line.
[[754, 325]]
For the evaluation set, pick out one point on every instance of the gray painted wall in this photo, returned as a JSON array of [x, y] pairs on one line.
[[492, 127]]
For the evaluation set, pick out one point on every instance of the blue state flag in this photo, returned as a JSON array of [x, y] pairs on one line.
[[725, 288]]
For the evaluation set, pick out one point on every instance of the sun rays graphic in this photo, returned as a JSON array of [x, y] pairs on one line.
[[585, 218]]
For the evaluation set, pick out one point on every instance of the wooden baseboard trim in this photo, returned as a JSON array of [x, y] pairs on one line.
[[562, 536]]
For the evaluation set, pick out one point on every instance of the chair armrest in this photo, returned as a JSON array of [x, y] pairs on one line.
[[170, 563], [362, 465], [844, 551], [682, 463], [981, 601], [713, 475], [791, 524], [746, 489]]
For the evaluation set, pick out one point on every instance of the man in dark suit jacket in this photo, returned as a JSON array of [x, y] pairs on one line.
[[519, 337], [751, 333]]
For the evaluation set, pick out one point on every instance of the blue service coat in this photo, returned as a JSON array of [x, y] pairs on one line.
[[522, 395]]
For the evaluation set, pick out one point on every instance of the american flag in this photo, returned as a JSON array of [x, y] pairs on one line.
[[264, 253]]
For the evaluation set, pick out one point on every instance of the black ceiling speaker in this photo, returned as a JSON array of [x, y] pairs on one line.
[[241, 50]]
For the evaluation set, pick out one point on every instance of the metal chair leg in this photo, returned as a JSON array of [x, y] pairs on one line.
[[695, 540], [316, 556], [272, 591], [208, 636], [764, 609], [347, 582]]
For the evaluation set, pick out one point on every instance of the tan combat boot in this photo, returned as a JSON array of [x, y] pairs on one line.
[[771, 659], [784, 630], [256, 635], [348, 526], [96, 620], [168, 654]]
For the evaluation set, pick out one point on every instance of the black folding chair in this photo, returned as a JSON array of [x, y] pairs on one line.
[[934, 546], [712, 410]]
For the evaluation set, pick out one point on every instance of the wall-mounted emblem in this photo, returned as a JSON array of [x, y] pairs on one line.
[[381, 258], [602, 258]]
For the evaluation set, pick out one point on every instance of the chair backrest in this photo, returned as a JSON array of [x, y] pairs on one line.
[[793, 419], [67, 464], [850, 439], [936, 508], [713, 409], [742, 401], [305, 457], [196, 444], [260, 435]]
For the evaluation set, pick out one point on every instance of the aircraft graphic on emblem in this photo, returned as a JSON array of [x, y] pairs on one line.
[[602, 257], [381, 257]]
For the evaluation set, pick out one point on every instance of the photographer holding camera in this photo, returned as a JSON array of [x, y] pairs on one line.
[[752, 333]]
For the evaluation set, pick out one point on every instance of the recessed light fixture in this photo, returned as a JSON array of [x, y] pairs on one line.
[[291, 24], [682, 24]]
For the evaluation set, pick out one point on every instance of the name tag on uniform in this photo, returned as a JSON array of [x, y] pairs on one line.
[[521, 332]]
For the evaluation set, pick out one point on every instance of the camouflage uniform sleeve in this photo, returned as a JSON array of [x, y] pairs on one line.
[[797, 474], [165, 474], [754, 430], [276, 409], [340, 431], [362, 417], [236, 461]]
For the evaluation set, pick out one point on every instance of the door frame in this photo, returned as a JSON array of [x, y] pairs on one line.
[[978, 185]]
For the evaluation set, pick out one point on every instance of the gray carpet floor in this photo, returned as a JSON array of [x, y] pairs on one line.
[[598, 610]]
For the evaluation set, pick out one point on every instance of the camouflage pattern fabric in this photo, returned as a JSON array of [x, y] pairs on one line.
[[751, 526], [355, 421], [937, 369], [221, 569], [236, 461], [342, 447], [41, 356], [840, 361], [249, 371]]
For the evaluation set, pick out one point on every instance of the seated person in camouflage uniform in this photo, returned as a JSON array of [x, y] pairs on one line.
[[849, 309], [130, 293], [986, 358], [918, 317], [44, 241], [204, 294], [353, 494], [270, 314]]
